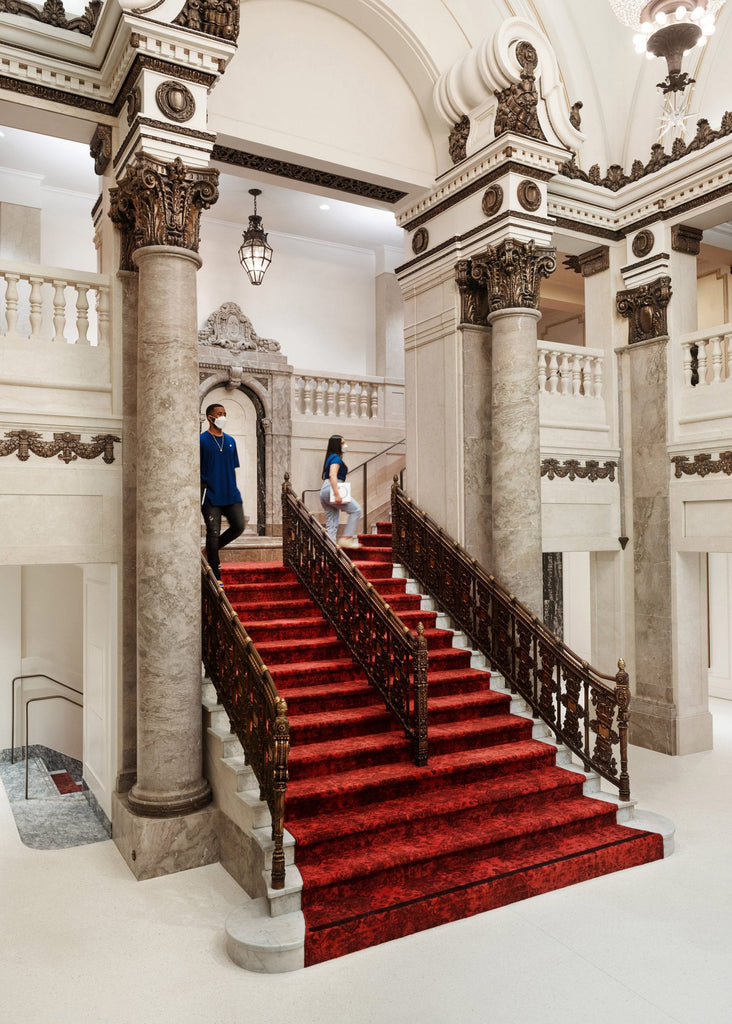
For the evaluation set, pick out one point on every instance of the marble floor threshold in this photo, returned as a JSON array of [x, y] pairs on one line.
[[48, 819]]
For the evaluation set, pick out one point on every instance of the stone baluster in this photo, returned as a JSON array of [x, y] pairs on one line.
[[36, 308], [553, 373], [565, 374], [82, 314], [330, 397], [686, 347], [542, 370], [102, 304], [701, 361], [342, 398], [576, 375], [374, 401], [59, 311], [587, 381], [728, 343], [319, 397], [363, 402], [352, 400], [11, 304], [716, 359], [598, 369], [307, 392]]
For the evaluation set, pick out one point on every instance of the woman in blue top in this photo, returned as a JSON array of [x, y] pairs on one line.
[[334, 472]]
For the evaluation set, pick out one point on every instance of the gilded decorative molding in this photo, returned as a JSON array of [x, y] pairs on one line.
[[134, 103], [218, 18], [507, 276], [645, 309], [229, 328], [161, 204], [517, 105], [589, 263], [458, 140], [643, 243], [528, 194], [686, 239], [702, 465], [616, 178], [100, 148], [492, 200], [68, 447], [53, 13], [420, 240], [175, 101], [310, 175], [572, 469]]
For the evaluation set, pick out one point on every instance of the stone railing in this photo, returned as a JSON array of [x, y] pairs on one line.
[[700, 380], [706, 357], [570, 371], [52, 304], [340, 397]]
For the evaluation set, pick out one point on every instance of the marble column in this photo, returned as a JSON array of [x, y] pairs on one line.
[[515, 456], [477, 432]]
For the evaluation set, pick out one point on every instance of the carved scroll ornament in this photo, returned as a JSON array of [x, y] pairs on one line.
[[100, 148], [53, 13], [218, 18], [458, 140], [229, 328], [67, 446], [645, 309], [160, 204], [517, 105]]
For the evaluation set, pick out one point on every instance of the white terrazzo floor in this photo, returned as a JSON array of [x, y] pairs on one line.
[[83, 943]]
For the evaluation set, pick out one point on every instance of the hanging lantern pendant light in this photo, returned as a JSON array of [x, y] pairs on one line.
[[255, 252]]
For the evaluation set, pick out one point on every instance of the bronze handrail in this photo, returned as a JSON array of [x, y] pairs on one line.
[[34, 700], [30, 675], [258, 715], [558, 685], [394, 660]]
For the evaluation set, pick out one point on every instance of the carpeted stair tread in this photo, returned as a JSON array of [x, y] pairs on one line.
[[521, 790], [335, 670], [365, 750], [348, 693], [275, 610], [278, 652], [296, 628], [319, 727]]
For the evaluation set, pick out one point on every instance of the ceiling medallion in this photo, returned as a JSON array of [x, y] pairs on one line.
[[175, 100], [643, 243], [492, 200], [529, 195], [420, 241]]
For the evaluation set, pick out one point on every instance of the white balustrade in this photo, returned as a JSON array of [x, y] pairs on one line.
[[706, 357], [338, 397], [570, 371], [52, 304]]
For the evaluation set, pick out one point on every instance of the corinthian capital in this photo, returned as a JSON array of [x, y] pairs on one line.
[[160, 204], [509, 274]]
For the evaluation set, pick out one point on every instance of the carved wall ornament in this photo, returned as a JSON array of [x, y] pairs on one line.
[[517, 105], [702, 465], [643, 243], [229, 328], [572, 469], [175, 101], [589, 263], [160, 204], [492, 200], [458, 141], [511, 273], [67, 446], [529, 195], [100, 148], [134, 104], [218, 18], [53, 13], [420, 240], [616, 178], [686, 239], [310, 175], [575, 118], [645, 309]]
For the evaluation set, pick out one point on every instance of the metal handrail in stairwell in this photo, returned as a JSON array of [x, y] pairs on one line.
[[363, 467], [256, 712], [30, 675], [394, 660], [35, 700], [558, 685]]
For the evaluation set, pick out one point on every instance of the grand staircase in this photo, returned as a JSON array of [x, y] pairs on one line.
[[385, 848]]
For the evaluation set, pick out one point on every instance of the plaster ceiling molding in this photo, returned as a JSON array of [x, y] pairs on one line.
[[469, 87]]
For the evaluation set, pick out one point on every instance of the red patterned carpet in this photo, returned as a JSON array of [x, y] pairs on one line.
[[384, 848]]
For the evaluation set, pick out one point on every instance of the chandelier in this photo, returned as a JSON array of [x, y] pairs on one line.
[[255, 252], [669, 29]]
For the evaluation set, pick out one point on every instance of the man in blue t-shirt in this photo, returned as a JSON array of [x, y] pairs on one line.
[[219, 494]]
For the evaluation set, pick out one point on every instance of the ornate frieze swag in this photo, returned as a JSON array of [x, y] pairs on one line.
[[572, 469], [703, 464], [66, 445]]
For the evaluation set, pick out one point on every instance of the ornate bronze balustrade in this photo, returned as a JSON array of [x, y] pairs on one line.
[[394, 660], [258, 715], [586, 710]]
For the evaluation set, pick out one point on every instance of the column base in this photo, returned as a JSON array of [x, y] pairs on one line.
[[660, 727], [161, 846], [149, 806]]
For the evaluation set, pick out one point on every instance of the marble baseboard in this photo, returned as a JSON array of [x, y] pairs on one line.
[[162, 846]]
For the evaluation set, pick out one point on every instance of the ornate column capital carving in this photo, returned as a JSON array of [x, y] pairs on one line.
[[645, 309], [160, 204], [506, 276]]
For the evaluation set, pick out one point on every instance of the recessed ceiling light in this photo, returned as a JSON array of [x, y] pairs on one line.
[[2, 134], [324, 206]]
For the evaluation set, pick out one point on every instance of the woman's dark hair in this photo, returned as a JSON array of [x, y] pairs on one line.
[[335, 447]]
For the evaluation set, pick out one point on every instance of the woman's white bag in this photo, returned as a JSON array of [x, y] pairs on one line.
[[344, 490]]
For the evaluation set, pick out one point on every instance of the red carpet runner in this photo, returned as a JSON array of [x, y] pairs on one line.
[[386, 849]]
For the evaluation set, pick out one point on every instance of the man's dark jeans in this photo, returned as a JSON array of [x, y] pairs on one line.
[[214, 538]]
